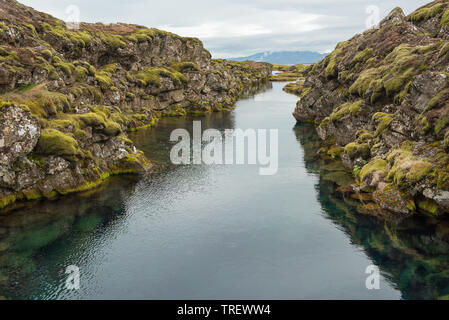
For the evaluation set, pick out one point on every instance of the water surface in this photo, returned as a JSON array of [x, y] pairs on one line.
[[221, 232]]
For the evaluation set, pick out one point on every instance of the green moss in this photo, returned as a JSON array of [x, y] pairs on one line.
[[5, 104], [185, 66], [426, 13], [95, 93], [110, 68], [403, 94], [152, 76], [81, 73], [384, 123], [347, 108], [305, 92], [92, 70], [397, 82], [407, 170], [365, 136], [100, 121], [141, 35], [41, 103], [54, 142], [104, 81], [79, 38], [331, 68], [445, 19], [27, 87], [444, 50], [67, 67], [399, 68], [378, 90], [363, 82], [112, 128], [112, 40], [426, 126], [130, 96], [148, 34], [7, 55], [294, 88], [373, 166], [103, 77], [36, 159], [437, 100], [442, 123], [428, 206], [354, 149], [52, 74], [362, 56], [346, 75], [285, 76], [32, 194], [9, 199], [47, 54], [335, 151], [29, 26], [61, 125]]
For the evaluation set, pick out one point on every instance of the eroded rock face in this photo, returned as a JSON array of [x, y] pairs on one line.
[[19, 133], [383, 96], [86, 89]]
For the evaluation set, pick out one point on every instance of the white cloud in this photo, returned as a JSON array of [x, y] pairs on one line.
[[254, 25], [235, 27], [215, 29]]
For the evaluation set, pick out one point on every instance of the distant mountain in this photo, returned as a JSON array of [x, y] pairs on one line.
[[284, 57]]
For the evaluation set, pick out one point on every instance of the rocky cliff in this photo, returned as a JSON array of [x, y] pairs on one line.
[[68, 97], [381, 102]]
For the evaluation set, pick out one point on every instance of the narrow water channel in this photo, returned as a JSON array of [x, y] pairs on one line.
[[225, 232]]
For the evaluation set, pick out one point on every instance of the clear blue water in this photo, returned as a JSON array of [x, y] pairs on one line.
[[218, 232]]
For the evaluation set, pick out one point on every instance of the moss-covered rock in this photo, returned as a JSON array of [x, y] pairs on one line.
[[384, 96], [54, 142], [84, 89], [375, 165]]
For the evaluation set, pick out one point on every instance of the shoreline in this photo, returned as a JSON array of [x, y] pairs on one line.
[[143, 165]]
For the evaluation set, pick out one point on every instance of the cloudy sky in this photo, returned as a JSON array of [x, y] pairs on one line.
[[231, 28]]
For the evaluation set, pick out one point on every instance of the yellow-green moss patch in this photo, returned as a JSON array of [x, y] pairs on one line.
[[426, 13], [373, 166], [428, 206], [354, 149], [362, 56], [54, 142], [445, 19], [347, 108], [384, 123]]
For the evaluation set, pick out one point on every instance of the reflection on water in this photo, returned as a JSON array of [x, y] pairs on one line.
[[414, 254], [56, 232], [221, 231]]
